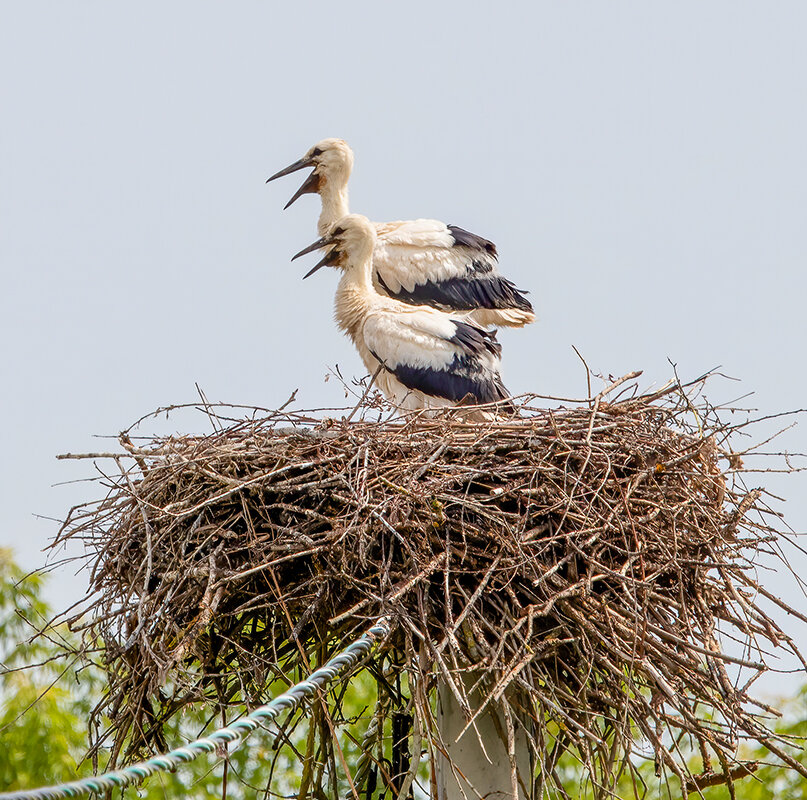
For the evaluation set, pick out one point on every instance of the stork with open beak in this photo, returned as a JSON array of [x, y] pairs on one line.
[[420, 261], [427, 358]]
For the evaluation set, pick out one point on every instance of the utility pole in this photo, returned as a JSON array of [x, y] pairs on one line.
[[469, 772]]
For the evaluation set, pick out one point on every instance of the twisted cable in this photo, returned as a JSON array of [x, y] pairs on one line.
[[232, 734]]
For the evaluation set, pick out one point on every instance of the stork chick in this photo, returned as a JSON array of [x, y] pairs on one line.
[[420, 261], [427, 359]]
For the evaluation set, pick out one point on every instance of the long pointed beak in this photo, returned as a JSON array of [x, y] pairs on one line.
[[310, 186], [323, 242], [302, 163], [325, 261]]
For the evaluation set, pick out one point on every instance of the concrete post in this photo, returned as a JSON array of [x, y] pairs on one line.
[[490, 776]]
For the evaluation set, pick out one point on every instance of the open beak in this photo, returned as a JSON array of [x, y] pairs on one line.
[[323, 242], [329, 258], [310, 186], [311, 183], [302, 163]]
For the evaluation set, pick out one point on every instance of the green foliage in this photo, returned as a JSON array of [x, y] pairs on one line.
[[45, 702], [19, 604], [771, 781]]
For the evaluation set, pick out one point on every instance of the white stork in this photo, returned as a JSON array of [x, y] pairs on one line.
[[427, 358], [420, 261]]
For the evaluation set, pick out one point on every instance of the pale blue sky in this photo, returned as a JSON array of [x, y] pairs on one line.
[[641, 166]]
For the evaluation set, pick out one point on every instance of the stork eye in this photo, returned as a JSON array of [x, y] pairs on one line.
[[338, 231], [316, 152]]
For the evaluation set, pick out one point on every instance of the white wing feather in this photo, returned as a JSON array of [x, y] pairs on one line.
[[421, 251], [417, 339]]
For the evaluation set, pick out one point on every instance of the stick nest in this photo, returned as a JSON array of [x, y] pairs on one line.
[[585, 568]]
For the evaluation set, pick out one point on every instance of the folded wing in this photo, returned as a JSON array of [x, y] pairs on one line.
[[426, 262], [441, 357]]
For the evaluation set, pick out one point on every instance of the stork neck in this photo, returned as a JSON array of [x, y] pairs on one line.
[[355, 297], [350, 307], [360, 276], [334, 206]]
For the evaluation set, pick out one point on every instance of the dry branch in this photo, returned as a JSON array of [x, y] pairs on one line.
[[584, 564]]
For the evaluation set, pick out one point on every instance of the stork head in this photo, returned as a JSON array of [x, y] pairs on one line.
[[332, 160], [350, 242]]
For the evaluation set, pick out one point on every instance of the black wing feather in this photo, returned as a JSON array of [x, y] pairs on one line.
[[463, 294], [475, 339], [463, 238], [465, 379], [450, 384]]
